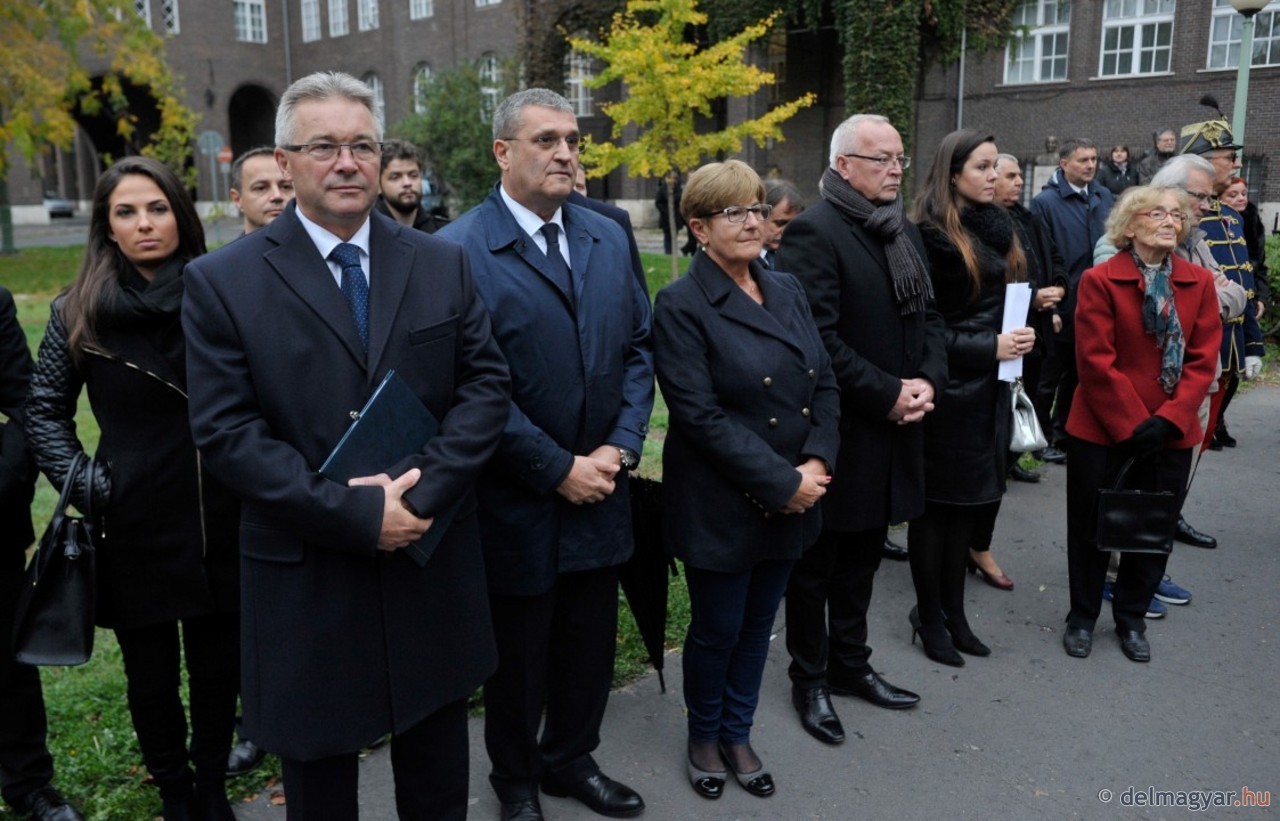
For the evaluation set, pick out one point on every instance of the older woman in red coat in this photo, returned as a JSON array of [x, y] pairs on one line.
[[1147, 334]]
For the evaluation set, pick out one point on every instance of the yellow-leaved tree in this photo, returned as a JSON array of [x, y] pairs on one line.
[[58, 57], [668, 83]]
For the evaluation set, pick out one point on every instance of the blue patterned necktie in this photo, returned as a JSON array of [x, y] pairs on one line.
[[354, 287], [559, 268]]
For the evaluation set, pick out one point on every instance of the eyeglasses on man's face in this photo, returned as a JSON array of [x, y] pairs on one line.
[[737, 214], [323, 152], [549, 142], [1199, 196], [883, 161], [1160, 215], [1230, 156]]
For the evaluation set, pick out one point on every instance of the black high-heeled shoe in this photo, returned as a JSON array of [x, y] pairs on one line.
[[935, 641], [963, 639]]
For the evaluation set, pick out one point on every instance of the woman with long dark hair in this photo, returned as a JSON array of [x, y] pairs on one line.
[[973, 252], [166, 532]]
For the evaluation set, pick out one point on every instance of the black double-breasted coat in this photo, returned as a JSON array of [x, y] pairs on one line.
[[873, 347]]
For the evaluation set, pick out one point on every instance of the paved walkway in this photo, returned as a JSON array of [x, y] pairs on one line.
[[1026, 733]]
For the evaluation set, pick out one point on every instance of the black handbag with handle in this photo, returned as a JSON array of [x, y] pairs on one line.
[[54, 624], [1136, 521]]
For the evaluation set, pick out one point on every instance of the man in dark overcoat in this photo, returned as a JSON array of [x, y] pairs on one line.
[[289, 329], [863, 266], [555, 518], [26, 768]]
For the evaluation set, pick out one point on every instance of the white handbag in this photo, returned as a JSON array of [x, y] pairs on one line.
[[1027, 435]]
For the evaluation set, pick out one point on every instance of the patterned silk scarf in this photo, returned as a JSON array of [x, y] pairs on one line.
[[1160, 317]]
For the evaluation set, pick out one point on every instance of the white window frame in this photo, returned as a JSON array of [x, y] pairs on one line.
[[577, 70], [482, 3], [143, 8], [421, 9], [374, 82], [169, 12], [1144, 20], [245, 30], [366, 15], [421, 82], [310, 13], [339, 22], [1043, 40], [1225, 33], [490, 84]]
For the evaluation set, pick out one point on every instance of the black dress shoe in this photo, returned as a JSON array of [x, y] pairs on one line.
[[526, 810], [1134, 645], [601, 793], [1055, 455], [1020, 474], [817, 715], [1187, 534], [892, 550], [245, 757], [1078, 642], [876, 690], [47, 804]]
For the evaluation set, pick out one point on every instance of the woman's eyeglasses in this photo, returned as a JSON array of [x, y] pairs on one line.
[[737, 214]]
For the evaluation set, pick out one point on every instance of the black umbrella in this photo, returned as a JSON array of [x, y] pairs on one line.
[[645, 576]]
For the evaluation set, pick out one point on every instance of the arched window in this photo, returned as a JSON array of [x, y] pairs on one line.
[[421, 82]]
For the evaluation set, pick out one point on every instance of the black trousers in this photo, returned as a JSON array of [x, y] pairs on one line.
[[25, 763], [554, 650], [430, 763], [152, 668], [939, 541], [1091, 467], [827, 601], [1058, 380]]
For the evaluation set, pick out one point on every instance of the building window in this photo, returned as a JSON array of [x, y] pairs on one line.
[[421, 9], [577, 71], [482, 3], [143, 8], [338, 25], [776, 64], [1037, 52], [169, 8], [1137, 37], [310, 21], [251, 21], [366, 14], [1224, 36], [421, 82], [490, 84], [374, 82]]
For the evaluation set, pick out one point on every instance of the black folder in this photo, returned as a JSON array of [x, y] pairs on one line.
[[393, 424]]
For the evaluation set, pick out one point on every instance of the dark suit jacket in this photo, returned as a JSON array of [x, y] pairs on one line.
[[17, 470], [343, 643], [623, 219], [751, 395], [581, 377], [845, 272]]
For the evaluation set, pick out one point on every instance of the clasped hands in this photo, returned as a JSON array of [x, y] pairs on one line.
[[1014, 344], [591, 478], [813, 486], [401, 526], [914, 401]]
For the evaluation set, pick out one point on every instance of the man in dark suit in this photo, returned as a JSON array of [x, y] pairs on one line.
[[400, 182], [26, 768], [345, 637], [554, 511], [862, 264]]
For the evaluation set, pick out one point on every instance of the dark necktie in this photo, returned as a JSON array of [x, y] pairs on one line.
[[559, 268], [354, 287]]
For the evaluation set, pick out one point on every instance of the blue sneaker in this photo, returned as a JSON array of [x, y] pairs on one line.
[[1155, 610], [1170, 593]]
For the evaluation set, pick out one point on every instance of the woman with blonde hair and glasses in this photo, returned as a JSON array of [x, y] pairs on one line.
[[753, 436], [1148, 331]]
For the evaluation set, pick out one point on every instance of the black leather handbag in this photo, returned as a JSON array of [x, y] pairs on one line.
[[1136, 521], [54, 624]]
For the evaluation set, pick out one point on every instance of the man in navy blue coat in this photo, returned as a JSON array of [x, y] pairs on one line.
[[555, 522]]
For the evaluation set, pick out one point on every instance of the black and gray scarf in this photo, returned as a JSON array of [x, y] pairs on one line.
[[911, 283]]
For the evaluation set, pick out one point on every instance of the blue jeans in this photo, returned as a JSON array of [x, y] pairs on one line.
[[731, 618]]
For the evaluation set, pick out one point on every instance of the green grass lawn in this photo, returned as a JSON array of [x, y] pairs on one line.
[[95, 753]]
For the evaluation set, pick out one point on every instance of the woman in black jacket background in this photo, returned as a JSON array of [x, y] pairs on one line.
[[167, 533], [1116, 172], [973, 252]]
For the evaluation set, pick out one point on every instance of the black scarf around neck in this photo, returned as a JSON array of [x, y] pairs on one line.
[[911, 283]]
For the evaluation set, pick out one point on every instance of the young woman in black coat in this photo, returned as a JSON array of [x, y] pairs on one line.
[[973, 252], [167, 532]]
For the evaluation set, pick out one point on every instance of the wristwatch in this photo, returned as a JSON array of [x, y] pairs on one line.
[[629, 458]]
